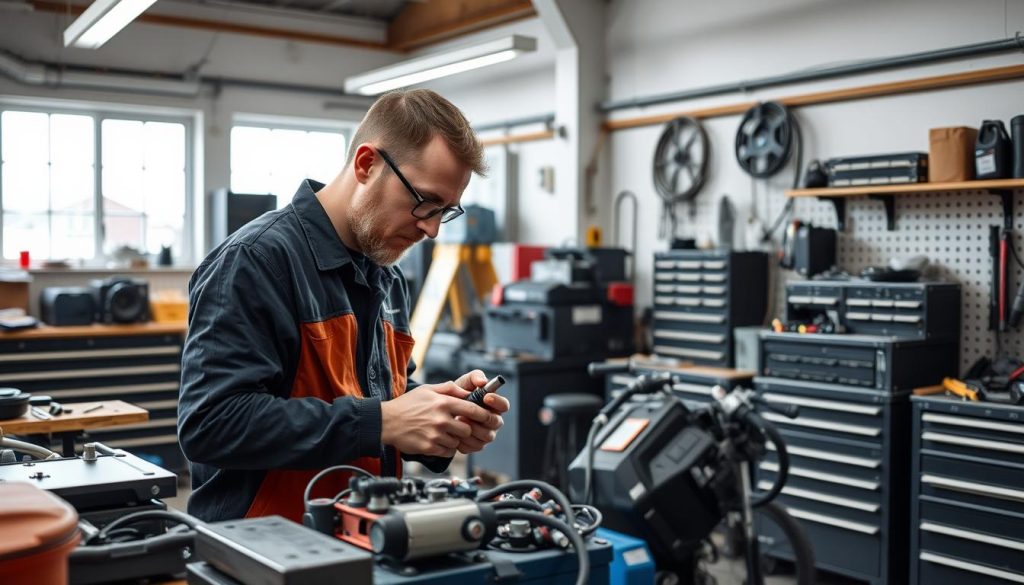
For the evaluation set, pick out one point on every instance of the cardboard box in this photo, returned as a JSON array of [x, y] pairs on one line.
[[951, 154]]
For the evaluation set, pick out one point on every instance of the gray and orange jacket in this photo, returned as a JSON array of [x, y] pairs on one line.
[[278, 382]]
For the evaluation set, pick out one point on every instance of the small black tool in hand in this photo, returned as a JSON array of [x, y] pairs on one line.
[[492, 385]]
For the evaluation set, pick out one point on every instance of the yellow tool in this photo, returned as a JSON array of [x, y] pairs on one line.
[[958, 388]]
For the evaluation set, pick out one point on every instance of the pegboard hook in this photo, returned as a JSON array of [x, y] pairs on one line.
[[1007, 197]]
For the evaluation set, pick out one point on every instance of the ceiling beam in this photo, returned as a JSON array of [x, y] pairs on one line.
[[424, 23]]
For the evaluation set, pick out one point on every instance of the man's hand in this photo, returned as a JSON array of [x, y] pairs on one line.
[[482, 432], [434, 419]]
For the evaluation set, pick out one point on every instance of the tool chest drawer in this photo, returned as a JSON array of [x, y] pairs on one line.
[[700, 296], [917, 310], [967, 523], [830, 409], [885, 364], [144, 370], [847, 482]]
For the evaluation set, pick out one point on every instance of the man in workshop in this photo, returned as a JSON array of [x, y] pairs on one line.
[[298, 349]]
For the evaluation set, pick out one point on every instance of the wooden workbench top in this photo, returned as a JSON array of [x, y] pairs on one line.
[[95, 330], [109, 414]]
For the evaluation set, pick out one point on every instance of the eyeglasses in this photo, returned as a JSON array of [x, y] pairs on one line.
[[424, 209]]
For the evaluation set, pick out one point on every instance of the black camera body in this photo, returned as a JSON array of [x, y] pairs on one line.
[[121, 300]]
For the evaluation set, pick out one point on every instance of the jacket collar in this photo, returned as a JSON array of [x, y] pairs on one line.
[[328, 250]]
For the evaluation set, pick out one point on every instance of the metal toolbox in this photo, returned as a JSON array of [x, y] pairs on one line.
[[887, 364], [847, 479], [700, 296], [916, 310], [967, 492], [142, 369]]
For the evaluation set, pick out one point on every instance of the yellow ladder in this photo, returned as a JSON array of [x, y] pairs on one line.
[[458, 274]]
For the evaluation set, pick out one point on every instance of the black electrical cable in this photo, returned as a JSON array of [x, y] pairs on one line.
[[565, 528], [788, 207], [168, 515], [760, 499], [329, 470], [526, 484], [517, 503], [588, 471]]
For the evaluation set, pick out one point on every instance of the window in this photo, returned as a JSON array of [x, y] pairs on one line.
[[275, 160], [80, 186]]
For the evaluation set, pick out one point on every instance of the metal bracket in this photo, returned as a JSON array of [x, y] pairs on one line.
[[889, 201], [1007, 197], [839, 204]]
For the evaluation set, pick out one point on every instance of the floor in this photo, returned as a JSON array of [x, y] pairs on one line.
[[725, 571]]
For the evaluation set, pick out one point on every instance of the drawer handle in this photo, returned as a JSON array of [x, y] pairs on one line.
[[688, 277], [714, 278], [688, 302], [858, 302], [971, 567], [970, 487], [692, 317], [664, 277], [829, 477], [90, 354], [687, 336], [973, 423], [692, 388], [149, 424], [714, 290], [664, 264], [972, 442], [830, 521], [975, 536], [907, 304], [663, 300], [818, 497], [800, 299], [826, 301], [92, 372], [906, 318], [119, 390], [142, 442], [815, 423], [858, 316], [714, 265], [688, 264], [824, 404], [686, 352], [827, 456], [663, 288], [716, 303], [687, 289]]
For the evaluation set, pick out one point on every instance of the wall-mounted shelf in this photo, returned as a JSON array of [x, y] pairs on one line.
[[1002, 188]]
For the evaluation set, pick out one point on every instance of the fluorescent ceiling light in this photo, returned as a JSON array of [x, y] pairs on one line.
[[438, 65], [102, 20]]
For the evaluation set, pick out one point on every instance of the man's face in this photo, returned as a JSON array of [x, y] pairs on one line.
[[381, 217]]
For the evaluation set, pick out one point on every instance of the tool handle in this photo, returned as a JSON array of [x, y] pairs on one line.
[[477, 396], [492, 385]]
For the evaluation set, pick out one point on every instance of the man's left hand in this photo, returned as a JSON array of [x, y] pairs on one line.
[[482, 433]]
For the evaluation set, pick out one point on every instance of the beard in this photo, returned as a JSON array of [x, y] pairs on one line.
[[364, 226]]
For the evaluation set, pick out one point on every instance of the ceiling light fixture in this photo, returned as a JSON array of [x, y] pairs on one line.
[[102, 20], [429, 67]]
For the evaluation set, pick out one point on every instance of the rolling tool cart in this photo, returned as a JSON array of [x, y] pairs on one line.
[[700, 296], [967, 492], [849, 444]]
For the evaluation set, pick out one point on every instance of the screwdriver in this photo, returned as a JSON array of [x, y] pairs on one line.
[[492, 385]]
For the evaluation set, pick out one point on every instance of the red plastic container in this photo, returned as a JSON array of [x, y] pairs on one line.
[[38, 531]]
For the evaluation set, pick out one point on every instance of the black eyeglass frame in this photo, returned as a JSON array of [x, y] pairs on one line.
[[447, 213]]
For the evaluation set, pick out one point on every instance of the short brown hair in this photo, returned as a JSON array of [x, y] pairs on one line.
[[403, 122]]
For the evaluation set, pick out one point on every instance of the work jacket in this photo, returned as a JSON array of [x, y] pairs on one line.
[[278, 381]]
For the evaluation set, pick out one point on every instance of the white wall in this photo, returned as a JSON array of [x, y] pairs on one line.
[[662, 46]]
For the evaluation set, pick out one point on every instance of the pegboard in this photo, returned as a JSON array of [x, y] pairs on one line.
[[951, 229]]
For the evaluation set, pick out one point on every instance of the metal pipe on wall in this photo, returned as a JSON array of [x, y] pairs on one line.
[[1015, 43]]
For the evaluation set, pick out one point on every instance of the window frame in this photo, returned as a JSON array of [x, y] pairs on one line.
[[98, 115]]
